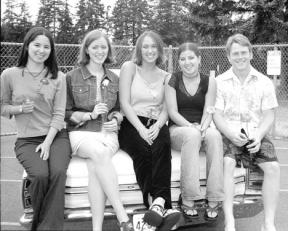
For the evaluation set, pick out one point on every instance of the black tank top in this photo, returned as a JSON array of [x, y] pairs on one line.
[[189, 106]]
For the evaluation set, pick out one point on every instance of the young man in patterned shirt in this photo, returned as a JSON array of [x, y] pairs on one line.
[[245, 111]]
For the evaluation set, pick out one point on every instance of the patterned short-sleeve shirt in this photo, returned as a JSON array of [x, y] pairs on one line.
[[243, 104]]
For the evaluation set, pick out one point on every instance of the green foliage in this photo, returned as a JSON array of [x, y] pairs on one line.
[[169, 21], [15, 26], [208, 22], [50, 14], [130, 18], [268, 24], [90, 15], [66, 32], [213, 20]]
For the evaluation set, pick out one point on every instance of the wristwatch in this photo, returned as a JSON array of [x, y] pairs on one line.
[[21, 109]]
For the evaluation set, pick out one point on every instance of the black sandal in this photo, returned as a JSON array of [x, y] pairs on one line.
[[126, 226], [154, 216], [210, 210], [171, 217], [189, 211]]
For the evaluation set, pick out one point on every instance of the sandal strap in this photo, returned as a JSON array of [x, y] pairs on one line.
[[157, 208], [214, 209], [170, 211], [189, 210], [210, 210], [126, 226]]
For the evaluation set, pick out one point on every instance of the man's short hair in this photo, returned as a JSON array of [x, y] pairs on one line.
[[240, 39]]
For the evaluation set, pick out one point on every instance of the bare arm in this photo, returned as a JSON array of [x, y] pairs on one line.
[[126, 77], [125, 82], [163, 117], [209, 103]]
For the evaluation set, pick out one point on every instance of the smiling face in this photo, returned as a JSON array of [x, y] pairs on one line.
[[189, 63], [149, 50], [39, 49], [98, 50], [239, 57]]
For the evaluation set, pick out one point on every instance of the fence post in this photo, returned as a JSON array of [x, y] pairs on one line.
[[170, 59], [275, 86]]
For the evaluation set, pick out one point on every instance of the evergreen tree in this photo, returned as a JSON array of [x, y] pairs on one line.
[[24, 21], [82, 20], [130, 18], [49, 14], [285, 11], [66, 30], [168, 21], [267, 22], [90, 15], [214, 20], [9, 21], [95, 14]]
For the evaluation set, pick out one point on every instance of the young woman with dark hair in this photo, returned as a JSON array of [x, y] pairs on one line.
[[190, 97], [34, 93]]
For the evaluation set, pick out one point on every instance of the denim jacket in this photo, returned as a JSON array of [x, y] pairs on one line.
[[81, 96]]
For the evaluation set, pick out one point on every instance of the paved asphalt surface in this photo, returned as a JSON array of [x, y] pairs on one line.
[[11, 207]]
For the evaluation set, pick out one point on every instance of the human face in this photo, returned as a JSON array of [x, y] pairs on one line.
[[98, 51], [149, 50], [39, 49], [239, 57], [189, 63]]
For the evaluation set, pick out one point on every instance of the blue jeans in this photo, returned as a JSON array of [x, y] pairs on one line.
[[188, 140]]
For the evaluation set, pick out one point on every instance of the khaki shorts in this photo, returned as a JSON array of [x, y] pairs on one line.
[[265, 154]]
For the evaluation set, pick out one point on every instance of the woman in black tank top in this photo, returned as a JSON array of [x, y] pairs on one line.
[[190, 98]]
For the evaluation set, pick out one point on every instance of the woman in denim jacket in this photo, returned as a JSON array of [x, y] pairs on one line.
[[93, 118]]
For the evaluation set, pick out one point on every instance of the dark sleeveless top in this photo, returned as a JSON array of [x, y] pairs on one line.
[[189, 106]]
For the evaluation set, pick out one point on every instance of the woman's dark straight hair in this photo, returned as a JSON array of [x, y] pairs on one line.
[[51, 62]]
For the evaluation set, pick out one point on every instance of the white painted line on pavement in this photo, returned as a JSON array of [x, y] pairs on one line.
[[283, 190], [10, 223], [281, 148], [16, 181]]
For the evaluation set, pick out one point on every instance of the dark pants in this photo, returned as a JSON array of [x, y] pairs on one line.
[[47, 178], [152, 164]]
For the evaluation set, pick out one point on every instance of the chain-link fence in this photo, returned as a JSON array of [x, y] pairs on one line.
[[212, 59]]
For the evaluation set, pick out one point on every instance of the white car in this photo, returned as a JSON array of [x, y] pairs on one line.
[[247, 200]]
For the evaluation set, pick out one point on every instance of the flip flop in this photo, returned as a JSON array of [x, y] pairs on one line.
[[189, 211], [210, 210]]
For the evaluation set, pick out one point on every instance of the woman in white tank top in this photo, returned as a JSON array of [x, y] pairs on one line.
[[144, 134]]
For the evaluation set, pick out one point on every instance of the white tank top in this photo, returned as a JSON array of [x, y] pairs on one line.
[[147, 98]]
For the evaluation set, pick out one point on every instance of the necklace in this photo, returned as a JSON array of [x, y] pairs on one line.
[[37, 74]]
